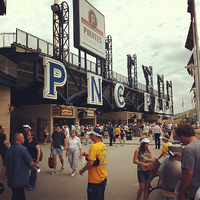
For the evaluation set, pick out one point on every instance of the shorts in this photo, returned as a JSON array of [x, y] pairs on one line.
[[122, 136], [82, 134], [57, 151], [116, 136], [95, 191], [45, 136], [106, 133], [144, 176]]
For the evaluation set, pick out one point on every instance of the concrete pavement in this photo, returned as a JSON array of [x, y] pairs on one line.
[[122, 181]]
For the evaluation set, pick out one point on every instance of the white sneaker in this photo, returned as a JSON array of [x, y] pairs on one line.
[[62, 169], [73, 174], [53, 172]]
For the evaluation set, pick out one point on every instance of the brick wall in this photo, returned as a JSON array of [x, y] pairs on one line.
[[4, 109]]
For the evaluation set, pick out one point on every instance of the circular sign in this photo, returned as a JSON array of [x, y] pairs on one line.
[[12, 108], [92, 19]]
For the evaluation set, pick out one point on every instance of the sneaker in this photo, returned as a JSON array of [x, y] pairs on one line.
[[73, 174], [62, 169], [53, 172]]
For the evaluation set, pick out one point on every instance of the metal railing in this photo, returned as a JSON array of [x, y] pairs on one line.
[[35, 44], [8, 67]]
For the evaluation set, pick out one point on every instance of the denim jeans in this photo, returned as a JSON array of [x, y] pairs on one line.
[[33, 176], [18, 194]]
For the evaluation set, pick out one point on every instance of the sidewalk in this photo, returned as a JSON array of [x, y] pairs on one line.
[[122, 181]]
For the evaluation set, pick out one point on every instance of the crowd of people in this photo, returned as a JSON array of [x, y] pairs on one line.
[[26, 151]]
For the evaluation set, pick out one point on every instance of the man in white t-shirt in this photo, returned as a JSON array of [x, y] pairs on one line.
[[78, 129], [66, 132]]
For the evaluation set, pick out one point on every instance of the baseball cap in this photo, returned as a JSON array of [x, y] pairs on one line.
[[145, 140], [96, 131], [26, 126]]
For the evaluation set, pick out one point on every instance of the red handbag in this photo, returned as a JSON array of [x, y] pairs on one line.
[[50, 161]]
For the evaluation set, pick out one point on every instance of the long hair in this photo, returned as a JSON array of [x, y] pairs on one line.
[[34, 137], [143, 148]]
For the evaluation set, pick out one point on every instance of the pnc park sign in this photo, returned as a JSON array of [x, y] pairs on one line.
[[55, 75]]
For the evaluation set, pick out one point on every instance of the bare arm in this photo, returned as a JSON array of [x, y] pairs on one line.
[[85, 154], [32, 164], [3, 174], [51, 148], [87, 166], [5, 142], [64, 144], [135, 159], [38, 152], [150, 159], [177, 156], [161, 155], [185, 182]]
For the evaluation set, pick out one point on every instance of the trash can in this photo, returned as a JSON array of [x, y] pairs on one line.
[[128, 136]]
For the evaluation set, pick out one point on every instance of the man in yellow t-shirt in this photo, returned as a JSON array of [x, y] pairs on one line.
[[117, 135], [96, 166], [165, 139]]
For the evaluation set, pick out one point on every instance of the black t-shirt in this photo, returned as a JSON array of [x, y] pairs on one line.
[[2, 138], [58, 139], [31, 148], [110, 130]]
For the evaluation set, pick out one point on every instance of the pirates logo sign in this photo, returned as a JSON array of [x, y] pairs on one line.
[[92, 19]]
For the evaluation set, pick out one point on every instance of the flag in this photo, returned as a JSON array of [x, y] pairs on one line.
[[182, 104], [191, 8], [190, 62], [189, 44], [193, 86]]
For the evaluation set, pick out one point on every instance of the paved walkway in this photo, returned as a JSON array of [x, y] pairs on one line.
[[122, 181]]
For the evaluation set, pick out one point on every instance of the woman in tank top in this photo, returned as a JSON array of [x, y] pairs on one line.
[[143, 158]]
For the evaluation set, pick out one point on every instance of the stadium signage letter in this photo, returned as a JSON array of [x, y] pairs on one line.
[[118, 95], [55, 75], [94, 89]]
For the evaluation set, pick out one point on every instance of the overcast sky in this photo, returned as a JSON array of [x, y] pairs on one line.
[[155, 31]]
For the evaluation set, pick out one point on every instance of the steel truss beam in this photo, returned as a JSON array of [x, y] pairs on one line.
[[108, 65], [61, 31], [148, 74], [132, 71], [169, 93], [160, 82]]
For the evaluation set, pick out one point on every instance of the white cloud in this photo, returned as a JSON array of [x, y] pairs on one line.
[[154, 30]]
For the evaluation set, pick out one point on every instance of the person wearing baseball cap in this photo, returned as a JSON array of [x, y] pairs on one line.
[[27, 130], [97, 175], [27, 126], [143, 158], [165, 139]]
